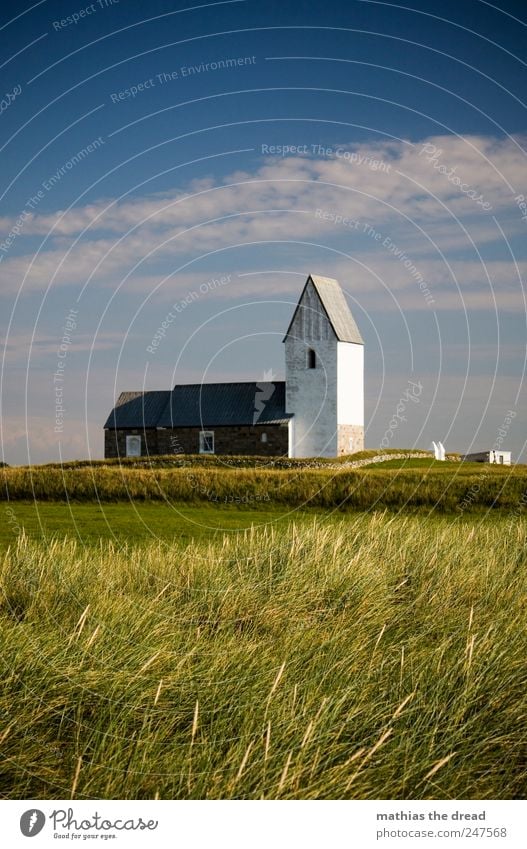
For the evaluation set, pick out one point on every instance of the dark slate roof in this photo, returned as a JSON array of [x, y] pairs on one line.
[[203, 405], [138, 409], [336, 308]]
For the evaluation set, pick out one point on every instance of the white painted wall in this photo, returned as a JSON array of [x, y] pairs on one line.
[[501, 457], [311, 394], [291, 437], [350, 384]]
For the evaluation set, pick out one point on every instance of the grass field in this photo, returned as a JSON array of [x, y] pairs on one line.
[[382, 656], [413, 483], [88, 523], [203, 632]]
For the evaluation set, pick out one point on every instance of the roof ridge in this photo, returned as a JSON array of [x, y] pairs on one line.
[[225, 383]]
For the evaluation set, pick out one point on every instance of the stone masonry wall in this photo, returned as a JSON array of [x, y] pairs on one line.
[[115, 441], [185, 440], [347, 432]]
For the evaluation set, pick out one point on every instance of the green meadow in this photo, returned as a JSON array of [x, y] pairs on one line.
[[291, 646], [90, 522]]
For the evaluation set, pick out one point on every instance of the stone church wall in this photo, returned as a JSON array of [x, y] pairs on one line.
[[345, 433], [245, 440]]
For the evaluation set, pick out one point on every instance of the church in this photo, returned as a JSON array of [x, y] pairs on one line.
[[318, 411]]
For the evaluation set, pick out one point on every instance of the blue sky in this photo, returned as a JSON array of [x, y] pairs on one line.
[[210, 156]]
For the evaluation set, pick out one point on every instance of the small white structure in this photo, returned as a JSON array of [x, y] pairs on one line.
[[503, 458], [439, 450], [324, 373]]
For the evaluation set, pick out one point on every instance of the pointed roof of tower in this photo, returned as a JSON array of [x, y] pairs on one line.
[[336, 308]]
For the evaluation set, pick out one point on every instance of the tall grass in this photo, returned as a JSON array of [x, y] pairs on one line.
[[382, 658], [444, 488], [235, 461]]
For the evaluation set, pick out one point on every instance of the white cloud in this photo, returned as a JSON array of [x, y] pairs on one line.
[[278, 201], [24, 348]]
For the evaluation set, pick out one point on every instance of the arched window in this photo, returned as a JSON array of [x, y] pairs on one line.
[[311, 359]]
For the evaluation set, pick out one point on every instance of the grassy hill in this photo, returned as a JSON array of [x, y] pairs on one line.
[[396, 484]]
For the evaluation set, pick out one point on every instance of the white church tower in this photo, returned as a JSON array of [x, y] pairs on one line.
[[324, 372]]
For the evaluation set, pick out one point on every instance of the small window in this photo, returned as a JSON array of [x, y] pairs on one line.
[[311, 359], [133, 446], [206, 442], [263, 437], [350, 444]]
